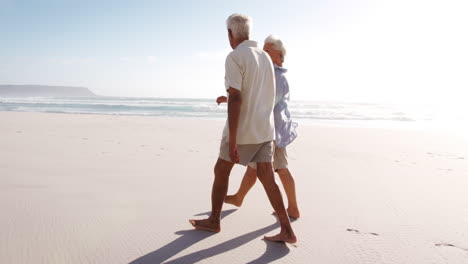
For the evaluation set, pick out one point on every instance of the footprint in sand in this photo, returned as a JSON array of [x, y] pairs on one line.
[[142, 146], [84, 138], [449, 245], [19, 131], [447, 170], [359, 232], [445, 155], [406, 163]]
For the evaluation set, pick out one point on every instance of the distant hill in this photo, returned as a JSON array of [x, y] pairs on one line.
[[45, 91]]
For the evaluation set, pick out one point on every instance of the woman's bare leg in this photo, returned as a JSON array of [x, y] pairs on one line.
[[290, 189], [250, 177]]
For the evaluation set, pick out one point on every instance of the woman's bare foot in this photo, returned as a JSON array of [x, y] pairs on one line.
[[282, 237], [234, 200], [292, 213], [206, 225]]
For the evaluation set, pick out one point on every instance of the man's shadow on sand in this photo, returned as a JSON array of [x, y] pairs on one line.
[[188, 238]]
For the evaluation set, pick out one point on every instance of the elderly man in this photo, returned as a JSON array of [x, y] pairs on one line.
[[249, 132], [285, 133]]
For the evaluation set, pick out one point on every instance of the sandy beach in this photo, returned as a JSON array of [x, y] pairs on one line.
[[120, 189]]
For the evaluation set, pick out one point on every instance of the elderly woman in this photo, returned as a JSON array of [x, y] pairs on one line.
[[285, 133]]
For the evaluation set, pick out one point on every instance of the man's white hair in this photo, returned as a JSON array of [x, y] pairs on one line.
[[277, 44], [240, 25]]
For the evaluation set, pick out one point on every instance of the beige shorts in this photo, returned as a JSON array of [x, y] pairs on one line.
[[262, 152], [280, 159]]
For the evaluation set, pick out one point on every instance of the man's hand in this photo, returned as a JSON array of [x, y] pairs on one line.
[[221, 99], [233, 152]]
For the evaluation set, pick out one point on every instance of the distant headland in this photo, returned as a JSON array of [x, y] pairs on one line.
[[44, 91]]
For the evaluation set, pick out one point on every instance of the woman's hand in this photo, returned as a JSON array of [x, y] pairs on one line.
[[221, 99]]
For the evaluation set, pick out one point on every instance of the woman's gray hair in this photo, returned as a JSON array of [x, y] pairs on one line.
[[277, 44], [240, 25]]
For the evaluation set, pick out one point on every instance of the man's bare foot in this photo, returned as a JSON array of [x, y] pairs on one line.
[[288, 238], [205, 225], [232, 199], [292, 213]]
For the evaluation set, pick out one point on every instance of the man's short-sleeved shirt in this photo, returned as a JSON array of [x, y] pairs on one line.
[[250, 70]]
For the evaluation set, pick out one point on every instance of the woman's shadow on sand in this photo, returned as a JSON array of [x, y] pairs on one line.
[[188, 238]]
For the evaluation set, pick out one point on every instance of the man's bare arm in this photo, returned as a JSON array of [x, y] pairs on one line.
[[234, 107]]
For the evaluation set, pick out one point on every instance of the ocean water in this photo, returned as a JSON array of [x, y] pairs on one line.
[[306, 112]]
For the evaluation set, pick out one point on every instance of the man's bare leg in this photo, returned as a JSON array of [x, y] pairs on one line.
[[290, 190], [266, 176], [250, 177], [218, 193]]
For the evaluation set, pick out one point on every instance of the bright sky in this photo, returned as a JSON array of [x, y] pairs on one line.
[[340, 50]]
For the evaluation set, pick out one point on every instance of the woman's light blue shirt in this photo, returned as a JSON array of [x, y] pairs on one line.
[[285, 128]]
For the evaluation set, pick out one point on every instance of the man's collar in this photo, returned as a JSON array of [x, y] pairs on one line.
[[248, 43]]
